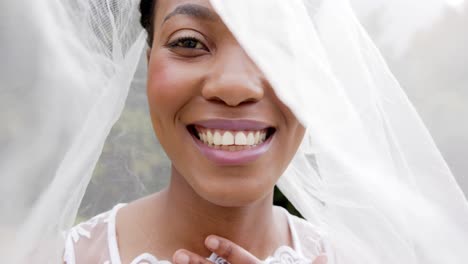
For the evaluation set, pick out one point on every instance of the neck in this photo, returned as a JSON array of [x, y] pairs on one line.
[[189, 219]]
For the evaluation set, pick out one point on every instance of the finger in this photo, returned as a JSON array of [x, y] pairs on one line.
[[321, 260], [183, 256], [229, 251]]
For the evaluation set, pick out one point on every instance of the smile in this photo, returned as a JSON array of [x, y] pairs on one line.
[[232, 142]]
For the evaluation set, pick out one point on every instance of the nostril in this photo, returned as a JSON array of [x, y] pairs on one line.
[[232, 90], [216, 99], [232, 102], [249, 101]]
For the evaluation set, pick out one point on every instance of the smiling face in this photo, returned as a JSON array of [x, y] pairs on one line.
[[227, 134]]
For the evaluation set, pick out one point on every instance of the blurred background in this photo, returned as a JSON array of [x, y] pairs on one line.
[[426, 46]]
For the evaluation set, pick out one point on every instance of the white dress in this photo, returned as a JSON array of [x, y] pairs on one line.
[[95, 241]]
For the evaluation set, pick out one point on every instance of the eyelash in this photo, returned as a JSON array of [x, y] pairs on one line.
[[175, 43]]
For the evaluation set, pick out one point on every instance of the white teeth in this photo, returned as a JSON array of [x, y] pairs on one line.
[[241, 140], [209, 138], [217, 138], [228, 139], [257, 137], [250, 139]]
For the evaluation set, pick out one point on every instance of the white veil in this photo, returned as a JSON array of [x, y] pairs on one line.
[[69, 66], [368, 173]]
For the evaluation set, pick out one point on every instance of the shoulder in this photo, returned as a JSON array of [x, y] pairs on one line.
[[308, 238], [88, 242]]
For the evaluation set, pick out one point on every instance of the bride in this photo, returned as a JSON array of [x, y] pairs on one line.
[[243, 95], [229, 139]]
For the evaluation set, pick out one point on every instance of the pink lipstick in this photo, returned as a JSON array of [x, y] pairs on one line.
[[232, 142]]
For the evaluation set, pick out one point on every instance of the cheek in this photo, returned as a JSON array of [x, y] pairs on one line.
[[299, 132], [292, 135], [171, 85], [162, 87]]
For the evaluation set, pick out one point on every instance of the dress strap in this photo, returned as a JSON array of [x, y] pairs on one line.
[[112, 235], [296, 244], [69, 253]]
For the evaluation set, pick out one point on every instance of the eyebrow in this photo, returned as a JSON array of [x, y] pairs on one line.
[[193, 10]]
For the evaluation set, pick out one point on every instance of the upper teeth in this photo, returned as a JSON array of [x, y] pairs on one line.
[[229, 138]]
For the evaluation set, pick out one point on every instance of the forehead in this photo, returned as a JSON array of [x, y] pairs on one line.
[[200, 9], [165, 7]]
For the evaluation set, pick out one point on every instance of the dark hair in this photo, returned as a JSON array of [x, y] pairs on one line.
[[147, 17]]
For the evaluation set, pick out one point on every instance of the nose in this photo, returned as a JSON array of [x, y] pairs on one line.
[[234, 79]]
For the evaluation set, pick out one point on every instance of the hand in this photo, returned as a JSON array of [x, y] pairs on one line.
[[226, 249]]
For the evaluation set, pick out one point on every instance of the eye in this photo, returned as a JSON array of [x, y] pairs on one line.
[[187, 43]]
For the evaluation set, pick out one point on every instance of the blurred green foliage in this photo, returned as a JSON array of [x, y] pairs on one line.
[[281, 200]]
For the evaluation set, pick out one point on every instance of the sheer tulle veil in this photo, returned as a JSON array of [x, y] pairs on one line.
[[368, 173]]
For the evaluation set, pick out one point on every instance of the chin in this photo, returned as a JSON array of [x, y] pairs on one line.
[[235, 195]]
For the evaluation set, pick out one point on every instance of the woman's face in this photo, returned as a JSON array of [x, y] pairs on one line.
[[219, 121]]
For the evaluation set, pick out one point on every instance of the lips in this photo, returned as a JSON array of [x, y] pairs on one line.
[[232, 142]]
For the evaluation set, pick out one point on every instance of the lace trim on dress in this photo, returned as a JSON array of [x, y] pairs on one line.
[[147, 258], [83, 230], [283, 254], [286, 255]]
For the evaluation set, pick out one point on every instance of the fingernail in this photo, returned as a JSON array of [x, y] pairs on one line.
[[212, 243], [182, 258]]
